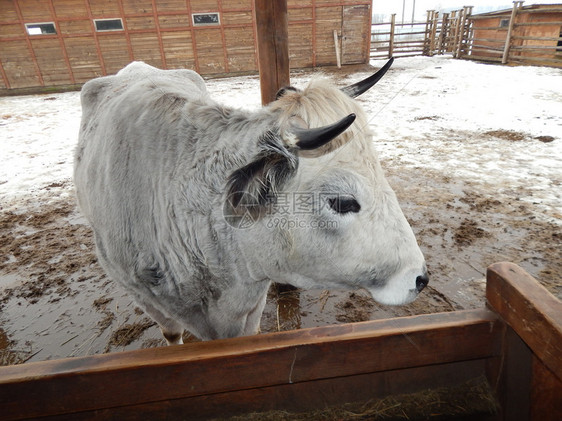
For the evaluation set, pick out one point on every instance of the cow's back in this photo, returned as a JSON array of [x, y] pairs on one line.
[[127, 153]]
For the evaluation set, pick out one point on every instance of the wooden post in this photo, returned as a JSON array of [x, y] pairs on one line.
[[391, 40], [468, 29], [452, 33], [458, 40], [337, 46], [272, 27], [443, 34], [426, 44], [435, 17], [516, 5], [529, 380]]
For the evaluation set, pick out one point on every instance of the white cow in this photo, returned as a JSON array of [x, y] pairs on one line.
[[197, 207]]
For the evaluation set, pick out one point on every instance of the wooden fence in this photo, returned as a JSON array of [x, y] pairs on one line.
[[525, 34], [439, 34]]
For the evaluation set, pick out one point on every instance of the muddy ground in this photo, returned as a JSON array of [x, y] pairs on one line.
[[55, 300]]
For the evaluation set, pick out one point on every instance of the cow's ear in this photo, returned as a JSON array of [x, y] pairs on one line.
[[253, 187]]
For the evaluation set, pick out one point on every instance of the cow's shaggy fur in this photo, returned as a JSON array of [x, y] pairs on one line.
[[169, 180]]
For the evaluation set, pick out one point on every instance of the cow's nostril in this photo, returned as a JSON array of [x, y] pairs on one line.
[[421, 282]]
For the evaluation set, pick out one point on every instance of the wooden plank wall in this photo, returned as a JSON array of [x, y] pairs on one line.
[[535, 37], [161, 33], [296, 371]]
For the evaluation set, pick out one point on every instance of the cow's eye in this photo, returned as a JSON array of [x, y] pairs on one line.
[[344, 204]]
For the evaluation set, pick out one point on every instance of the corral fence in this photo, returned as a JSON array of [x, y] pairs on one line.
[[439, 34], [523, 35]]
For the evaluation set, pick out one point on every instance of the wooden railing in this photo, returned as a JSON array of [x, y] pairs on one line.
[[439, 34], [464, 35], [515, 345]]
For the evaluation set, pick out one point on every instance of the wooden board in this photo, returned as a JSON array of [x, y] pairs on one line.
[[328, 19], [528, 378], [165, 377], [297, 397], [86, 52], [300, 45], [210, 51], [533, 313], [355, 32], [51, 61], [178, 49], [19, 65]]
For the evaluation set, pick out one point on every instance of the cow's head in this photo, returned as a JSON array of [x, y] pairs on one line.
[[322, 213]]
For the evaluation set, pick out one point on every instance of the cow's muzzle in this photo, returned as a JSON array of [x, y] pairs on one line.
[[421, 282]]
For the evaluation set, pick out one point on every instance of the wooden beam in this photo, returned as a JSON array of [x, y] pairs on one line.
[[516, 6], [272, 24], [169, 377], [531, 311], [303, 397], [391, 39]]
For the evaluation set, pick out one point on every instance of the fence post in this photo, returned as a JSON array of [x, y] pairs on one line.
[[443, 34], [465, 32], [391, 39], [452, 33], [459, 32], [337, 46], [427, 41], [434, 19], [516, 5]]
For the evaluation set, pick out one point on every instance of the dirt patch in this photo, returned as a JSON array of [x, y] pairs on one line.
[[478, 203], [128, 333], [101, 303], [468, 232], [44, 251], [59, 279], [430, 118], [545, 139], [507, 135], [356, 308]]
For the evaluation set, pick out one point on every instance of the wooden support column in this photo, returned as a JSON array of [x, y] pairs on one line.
[[392, 30], [435, 19], [516, 5], [272, 26], [458, 34], [426, 40], [464, 40], [444, 34]]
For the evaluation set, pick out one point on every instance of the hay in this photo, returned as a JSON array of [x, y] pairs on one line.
[[474, 397]]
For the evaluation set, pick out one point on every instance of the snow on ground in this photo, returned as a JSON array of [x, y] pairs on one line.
[[420, 101], [474, 152]]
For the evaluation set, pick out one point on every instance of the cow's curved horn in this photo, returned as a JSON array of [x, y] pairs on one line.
[[308, 139], [360, 87]]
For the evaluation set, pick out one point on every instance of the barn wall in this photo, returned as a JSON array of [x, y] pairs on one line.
[[544, 30], [490, 42], [536, 34], [162, 33]]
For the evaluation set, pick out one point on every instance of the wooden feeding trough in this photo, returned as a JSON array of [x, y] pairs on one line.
[[512, 349]]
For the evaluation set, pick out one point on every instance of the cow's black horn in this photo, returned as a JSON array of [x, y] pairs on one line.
[[309, 139], [360, 87]]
